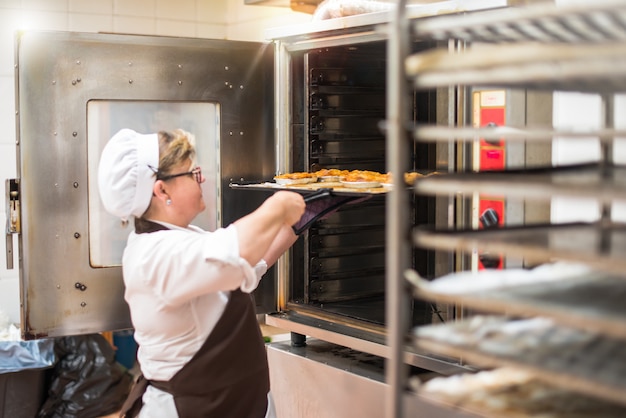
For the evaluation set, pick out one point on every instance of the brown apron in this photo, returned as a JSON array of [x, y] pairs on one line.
[[227, 377]]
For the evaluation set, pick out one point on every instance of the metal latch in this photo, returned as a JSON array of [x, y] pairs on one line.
[[13, 217]]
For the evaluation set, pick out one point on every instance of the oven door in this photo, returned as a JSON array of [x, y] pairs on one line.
[[74, 91]]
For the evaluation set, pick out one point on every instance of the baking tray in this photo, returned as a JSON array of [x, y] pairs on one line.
[[581, 361], [588, 300], [588, 22], [599, 245], [603, 182], [580, 68], [337, 188], [442, 133]]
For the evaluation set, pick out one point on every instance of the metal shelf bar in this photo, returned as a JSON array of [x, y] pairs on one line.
[[599, 245], [597, 21], [589, 301], [434, 133], [606, 184], [582, 68], [580, 361]]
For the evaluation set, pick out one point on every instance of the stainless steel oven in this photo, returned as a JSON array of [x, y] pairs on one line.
[[336, 274]]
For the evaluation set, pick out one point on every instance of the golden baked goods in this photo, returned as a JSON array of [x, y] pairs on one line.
[[295, 176], [365, 176], [331, 172], [409, 178]]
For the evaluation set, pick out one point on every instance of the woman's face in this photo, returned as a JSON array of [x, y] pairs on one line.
[[185, 193]]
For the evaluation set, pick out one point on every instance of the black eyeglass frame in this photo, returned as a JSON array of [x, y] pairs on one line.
[[196, 173]]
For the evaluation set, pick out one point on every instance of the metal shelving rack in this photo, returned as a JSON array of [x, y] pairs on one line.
[[580, 48]]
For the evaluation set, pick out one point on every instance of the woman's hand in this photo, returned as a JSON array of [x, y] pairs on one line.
[[290, 203], [258, 230]]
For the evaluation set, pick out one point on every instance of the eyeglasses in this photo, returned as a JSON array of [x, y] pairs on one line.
[[196, 173]]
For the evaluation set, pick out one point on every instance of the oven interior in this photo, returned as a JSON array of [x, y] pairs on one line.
[[338, 114]]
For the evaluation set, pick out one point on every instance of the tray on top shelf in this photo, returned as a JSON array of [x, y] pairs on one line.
[[597, 21], [598, 245], [579, 298], [337, 188], [581, 361], [565, 67], [606, 183]]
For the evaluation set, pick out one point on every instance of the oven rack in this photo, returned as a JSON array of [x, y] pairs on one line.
[[603, 182], [600, 245], [597, 68], [581, 361], [584, 301], [592, 22]]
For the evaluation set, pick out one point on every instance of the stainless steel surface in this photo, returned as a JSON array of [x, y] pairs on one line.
[[343, 256], [325, 380], [605, 184], [580, 361], [59, 75], [397, 215], [585, 301], [300, 379], [347, 335], [283, 103], [586, 68], [542, 22], [547, 33], [524, 134], [598, 245], [596, 65]]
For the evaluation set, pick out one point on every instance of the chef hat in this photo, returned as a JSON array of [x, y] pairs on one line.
[[125, 177]]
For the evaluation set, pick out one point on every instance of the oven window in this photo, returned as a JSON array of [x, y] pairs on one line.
[[107, 234]]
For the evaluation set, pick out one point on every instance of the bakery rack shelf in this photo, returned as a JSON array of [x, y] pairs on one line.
[[600, 245], [434, 133], [589, 22], [549, 47], [583, 299], [603, 182], [565, 67], [542, 46], [581, 361]]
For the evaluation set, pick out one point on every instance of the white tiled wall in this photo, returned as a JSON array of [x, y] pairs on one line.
[[219, 19]]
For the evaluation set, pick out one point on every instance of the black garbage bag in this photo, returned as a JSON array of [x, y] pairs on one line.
[[86, 381]]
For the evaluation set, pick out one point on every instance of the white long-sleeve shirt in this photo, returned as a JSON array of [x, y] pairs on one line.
[[178, 282]]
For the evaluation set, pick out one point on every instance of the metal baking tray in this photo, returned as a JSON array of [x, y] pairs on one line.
[[599, 245], [606, 183], [564, 67], [337, 188], [580, 361], [597, 21], [440, 133], [588, 301]]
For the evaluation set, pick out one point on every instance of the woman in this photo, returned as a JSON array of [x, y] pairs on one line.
[[201, 352]]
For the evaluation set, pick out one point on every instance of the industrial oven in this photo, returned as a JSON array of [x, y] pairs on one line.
[[314, 97]]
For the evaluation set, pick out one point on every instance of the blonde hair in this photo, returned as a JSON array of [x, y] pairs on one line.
[[175, 147]]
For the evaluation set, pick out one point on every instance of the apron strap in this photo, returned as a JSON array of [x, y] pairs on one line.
[[133, 403]]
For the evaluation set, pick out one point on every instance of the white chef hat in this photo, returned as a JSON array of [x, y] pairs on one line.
[[125, 176]]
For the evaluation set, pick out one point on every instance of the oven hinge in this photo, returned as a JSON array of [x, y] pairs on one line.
[[13, 217]]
